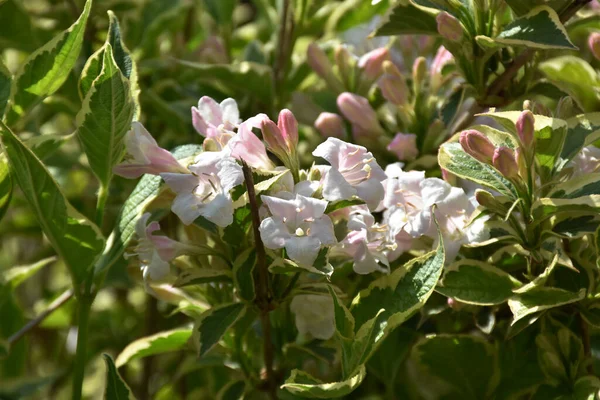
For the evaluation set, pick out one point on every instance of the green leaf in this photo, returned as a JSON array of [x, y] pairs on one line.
[[16, 275], [476, 282], [540, 28], [116, 388], [466, 364], [44, 146], [232, 391], [105, 118], [338, 205], [243, 274], [243, 78], [16, 30], [159, 343], [46, 69], [146, 191], [197, 276], [5, 83], [580, 186], [6, 185], [220, 10], [407, 19], [76, 240], [344, 332], [213, 324], [302, 384], [452, 157], [402, 292], [576, 77], [349, 14], [320, 267], [545, 208], [540, 299], [582, 130]]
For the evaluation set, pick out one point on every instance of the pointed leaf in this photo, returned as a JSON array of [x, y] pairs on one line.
[[407, 19], [541, 299], [582, 130], [105, 118], [116, 388], [243, 274], [46, 69], [576, 77], [213, 324], [540, 28], [76, 240], [5, 83], [159, 343]]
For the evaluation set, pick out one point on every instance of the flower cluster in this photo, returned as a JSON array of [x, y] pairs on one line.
[[346, 204]]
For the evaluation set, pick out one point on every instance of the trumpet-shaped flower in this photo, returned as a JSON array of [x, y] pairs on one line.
[[314, 315], [145, 156], [248, 147], [215, 121], [366, 242], [404, 145], [586, 161], [354, 172], [154, 252], [205, 192], [299, 225]]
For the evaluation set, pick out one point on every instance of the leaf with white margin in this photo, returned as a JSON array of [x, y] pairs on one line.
[[159, 343], [77, 240], [575, 76], [47, 68], [302, 384], [476, 282], [582, 130], [584, 185], [243, 274], [407, 19], [544, 208], [213, 324], [540, 299], [402, 292], [116, 388], [540, 29], [105, 118]]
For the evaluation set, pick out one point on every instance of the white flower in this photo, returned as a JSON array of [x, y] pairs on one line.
[[314, 315], [246, 146], [366, 242], [354, 172], [299, 225], [215, 121], [205, 192], [586, 161]]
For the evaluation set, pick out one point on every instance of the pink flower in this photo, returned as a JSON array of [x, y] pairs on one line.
[[586, 161], [594, 44], [248, 147], [282, 139], [216, 121], [299, 225], [404, 145], [354, 172], [359, 112], [145, 156]]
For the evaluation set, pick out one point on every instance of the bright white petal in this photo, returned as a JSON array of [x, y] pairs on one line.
[[210, 111], [309, 207], [273, 233], [322, 228], [185, 206], [285, 209], [303, 249], [157, 269], [231, 114], [180, 183], [335, 186], [218, 211], [330, 150], [230, 173], [371, 191]]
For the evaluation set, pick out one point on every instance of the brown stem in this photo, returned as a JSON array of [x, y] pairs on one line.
[[263, 297], [496, 87], [56, 304]]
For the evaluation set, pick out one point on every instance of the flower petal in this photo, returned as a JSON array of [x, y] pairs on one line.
[[303, 249], [273, 233], [218, 211], [335, 186]]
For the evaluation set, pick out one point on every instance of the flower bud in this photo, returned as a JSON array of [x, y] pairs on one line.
[[419, 70], [504, 161], [289, 128], [489, 201], [521, 162], [525, 128], [346, 63], [404, 145], [318, 61], [449, 27], [477, 145], [594, 44], [330, 125], [372, 62], [359, 112]]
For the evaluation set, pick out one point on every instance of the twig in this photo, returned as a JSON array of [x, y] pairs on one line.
[[263, 297], [55, 305], [496, 87]]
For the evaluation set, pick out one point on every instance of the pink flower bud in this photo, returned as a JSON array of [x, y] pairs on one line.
[[419, 70], [330, 125], [404, 145], [282, 139], [504, 161], [594, 44], [372, 62], [393, 89], [442, 57], [359, 112], [449, 27], [318, 60], [477, 145], [525, 128], [289, 128]]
